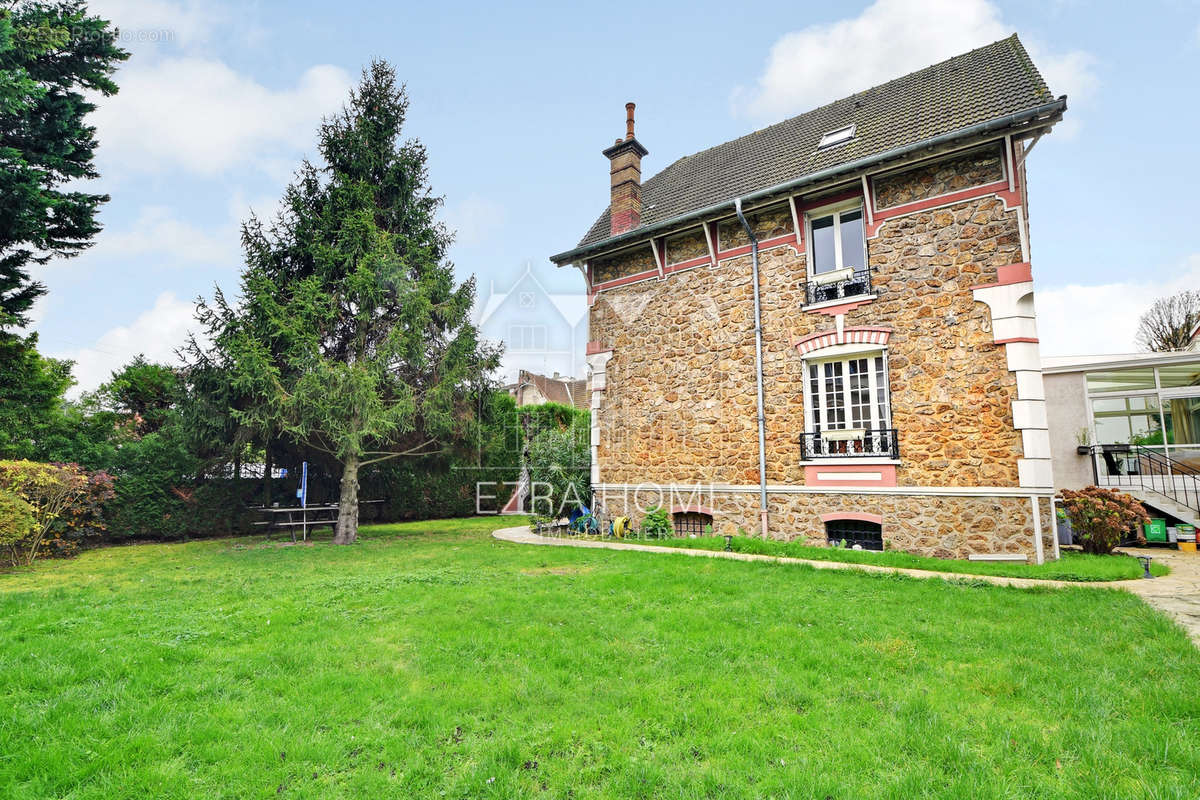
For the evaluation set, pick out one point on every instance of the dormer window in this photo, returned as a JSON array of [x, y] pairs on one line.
[[836, 137], [837, 251]]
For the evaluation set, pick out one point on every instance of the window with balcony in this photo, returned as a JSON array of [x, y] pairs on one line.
[[848, 409], [837, 255]]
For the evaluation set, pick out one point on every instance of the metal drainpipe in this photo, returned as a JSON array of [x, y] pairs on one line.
[[758, 368]]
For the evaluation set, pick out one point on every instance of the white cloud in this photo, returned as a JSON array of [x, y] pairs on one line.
[[145, 23], [822, 63], [200, 115], [1092, 320], [474, 219], [156, 333], [157, 230]]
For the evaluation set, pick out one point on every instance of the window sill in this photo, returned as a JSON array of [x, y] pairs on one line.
[[841, 301], [848, 460]]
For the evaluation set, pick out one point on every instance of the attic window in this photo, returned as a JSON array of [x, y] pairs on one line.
[[836, 137]]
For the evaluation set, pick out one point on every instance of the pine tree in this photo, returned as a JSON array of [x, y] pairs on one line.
[[351, 335], [50, 54]]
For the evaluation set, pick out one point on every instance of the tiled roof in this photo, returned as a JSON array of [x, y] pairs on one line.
[[564, 391], [982, 85]]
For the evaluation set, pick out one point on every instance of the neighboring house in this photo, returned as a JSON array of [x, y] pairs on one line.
[[541, 330], [901, 390], [1142, 413], [532, 389], [1194, 339]]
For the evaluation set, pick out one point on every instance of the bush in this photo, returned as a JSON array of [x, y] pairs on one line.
[[16, 524], [1100, 518], [49, 490], [657, 524], [83, 519]]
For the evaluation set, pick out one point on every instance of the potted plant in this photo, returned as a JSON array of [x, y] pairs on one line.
[[1083, 441]]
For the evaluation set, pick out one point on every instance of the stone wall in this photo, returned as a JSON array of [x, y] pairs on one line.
[[686, 246], [768, 223], [681, 405], [623, 264], [938, 526], [943, 176]]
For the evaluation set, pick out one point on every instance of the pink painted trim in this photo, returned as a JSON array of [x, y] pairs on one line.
[[1032, 339], [998, 188], [787, 238], [887, 475], [852, 515], [693, 510], [840, 308], [691, 262], [1014, 273], [594, 347], [861, 334], [641, 276]]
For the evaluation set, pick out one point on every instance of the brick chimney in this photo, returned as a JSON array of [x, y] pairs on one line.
[[625, 211]]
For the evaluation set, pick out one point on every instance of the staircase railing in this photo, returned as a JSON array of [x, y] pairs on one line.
[[1137, 466]]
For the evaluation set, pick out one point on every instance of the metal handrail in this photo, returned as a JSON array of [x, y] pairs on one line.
[[855, 285], [874, 443], [1136, 465]]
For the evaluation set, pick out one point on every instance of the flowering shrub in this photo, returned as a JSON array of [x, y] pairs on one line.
[[48, 490], [1100, 518], [83, 519]]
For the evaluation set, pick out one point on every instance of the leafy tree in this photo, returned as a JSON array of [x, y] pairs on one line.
[[351, 336], [16, 525], [558, 453], [31, 396], [143, 393], [1169, 323], [51, 53]]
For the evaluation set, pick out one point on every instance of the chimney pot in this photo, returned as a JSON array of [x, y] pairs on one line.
[[625, 171]]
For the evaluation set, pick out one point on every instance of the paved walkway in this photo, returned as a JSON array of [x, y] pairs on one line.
[[1177, 594]]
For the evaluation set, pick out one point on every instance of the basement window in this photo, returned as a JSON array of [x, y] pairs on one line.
[[836, 137], [689, 523], [851, 533]]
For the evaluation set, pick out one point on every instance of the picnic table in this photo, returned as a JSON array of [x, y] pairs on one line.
[[303, 517]]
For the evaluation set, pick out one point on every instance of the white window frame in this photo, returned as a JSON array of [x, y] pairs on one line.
[[814, 422], [836, 137], [526, 333], [835, 210]]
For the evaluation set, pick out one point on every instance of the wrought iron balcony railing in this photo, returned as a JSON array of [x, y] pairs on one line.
[[854, 285], [868, 443]]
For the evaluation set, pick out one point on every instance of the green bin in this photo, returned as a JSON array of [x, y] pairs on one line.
[[1185, 532], [1156, 530]]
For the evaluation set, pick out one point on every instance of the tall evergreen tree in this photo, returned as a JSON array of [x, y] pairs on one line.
[[50, 54], [351, 335]]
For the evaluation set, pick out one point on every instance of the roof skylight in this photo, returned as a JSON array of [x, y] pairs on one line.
[[836, 137]]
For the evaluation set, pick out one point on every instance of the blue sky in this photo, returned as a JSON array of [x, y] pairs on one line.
[[515, 101]]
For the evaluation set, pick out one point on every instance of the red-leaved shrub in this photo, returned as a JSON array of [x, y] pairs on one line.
[[1101, 518]]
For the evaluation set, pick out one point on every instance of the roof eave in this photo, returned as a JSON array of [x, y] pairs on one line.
[[1052, 110]]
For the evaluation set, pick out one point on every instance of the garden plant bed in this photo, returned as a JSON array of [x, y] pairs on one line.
[[432, 660], [1073, 566]]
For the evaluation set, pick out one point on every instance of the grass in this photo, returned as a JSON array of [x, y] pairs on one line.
[[431, 660], [1073, 566]]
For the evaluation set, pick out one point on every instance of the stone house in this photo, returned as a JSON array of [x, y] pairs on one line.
[[825, 329]]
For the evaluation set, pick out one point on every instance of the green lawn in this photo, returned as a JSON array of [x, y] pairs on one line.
[[433, 661], [1073, 566]]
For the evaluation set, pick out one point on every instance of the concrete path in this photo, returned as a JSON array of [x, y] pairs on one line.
[[1177, 594]]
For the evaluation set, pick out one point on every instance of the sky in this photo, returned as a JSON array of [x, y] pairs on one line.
[[514, 101]]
